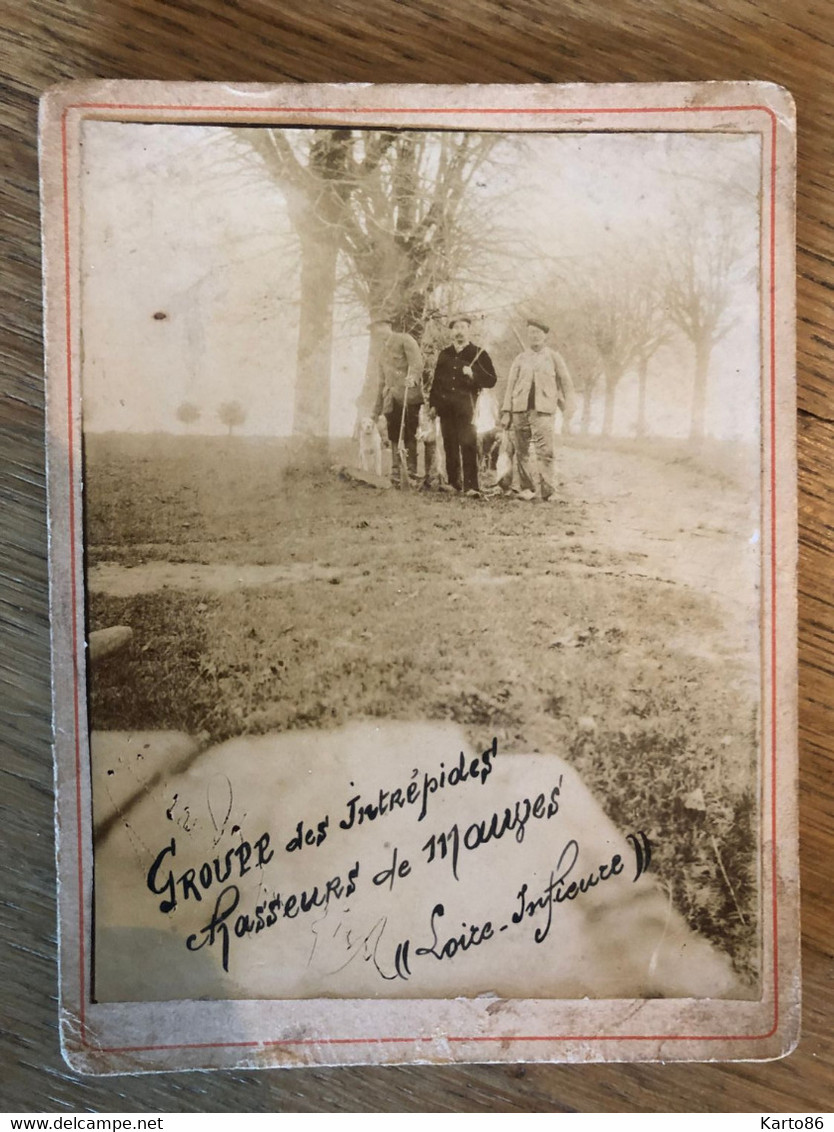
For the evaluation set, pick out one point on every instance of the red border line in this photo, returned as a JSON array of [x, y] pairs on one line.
[[773, 863], [423, 1039], [74, 594], [278, 111], [152, 107]]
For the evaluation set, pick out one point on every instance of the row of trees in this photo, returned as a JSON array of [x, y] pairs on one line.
[[614, 311], [393, 214]]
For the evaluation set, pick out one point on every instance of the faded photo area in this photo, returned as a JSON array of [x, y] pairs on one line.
[[422, 533]]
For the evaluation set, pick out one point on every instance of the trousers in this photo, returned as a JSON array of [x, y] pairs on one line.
[[394, 419], [460, 441], [540, 429]]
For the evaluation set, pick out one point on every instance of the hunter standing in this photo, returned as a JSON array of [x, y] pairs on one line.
[[399, 392], [539, 383], [462, 370]]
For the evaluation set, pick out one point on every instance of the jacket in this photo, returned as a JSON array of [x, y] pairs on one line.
[[399, 360], [451, 388], [554, 386]]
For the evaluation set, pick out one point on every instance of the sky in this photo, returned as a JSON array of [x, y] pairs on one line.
[[190, 269]]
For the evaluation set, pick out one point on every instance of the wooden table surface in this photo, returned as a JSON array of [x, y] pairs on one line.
[[46, 41]]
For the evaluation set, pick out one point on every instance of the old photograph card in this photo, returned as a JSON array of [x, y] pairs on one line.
[[422, 518]]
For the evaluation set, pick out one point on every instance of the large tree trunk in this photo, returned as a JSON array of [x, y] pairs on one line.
[[366, 402], [699, 391], [642, 375], [390, 276], [611, 379], [311, 419], [587, 400]]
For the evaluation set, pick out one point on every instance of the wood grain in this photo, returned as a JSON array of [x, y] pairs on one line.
[[46, 41]]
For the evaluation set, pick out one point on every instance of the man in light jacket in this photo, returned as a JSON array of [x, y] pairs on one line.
[[538, 384], [399, 389]]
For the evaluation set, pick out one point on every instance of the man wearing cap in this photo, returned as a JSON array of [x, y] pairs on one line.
[[538, 384], [399, 391], [462, 370]]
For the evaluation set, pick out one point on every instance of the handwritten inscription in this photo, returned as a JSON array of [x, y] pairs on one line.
[[421, 787], [360, 810], [513, 819], [193, 882], [314, 869], [222, 927], [559, 889]]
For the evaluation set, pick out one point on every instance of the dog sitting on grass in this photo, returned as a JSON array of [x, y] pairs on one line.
[[370, 447]]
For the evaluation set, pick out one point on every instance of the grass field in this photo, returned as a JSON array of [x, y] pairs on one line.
[[601, 628]]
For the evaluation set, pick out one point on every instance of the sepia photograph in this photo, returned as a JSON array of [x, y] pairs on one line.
[[422, 511], [456, 429]]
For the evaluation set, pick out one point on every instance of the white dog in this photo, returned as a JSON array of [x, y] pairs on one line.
[[370, 447]]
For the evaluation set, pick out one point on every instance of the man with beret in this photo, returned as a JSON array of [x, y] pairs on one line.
[[462, 370], [399, 392], [538, 384]]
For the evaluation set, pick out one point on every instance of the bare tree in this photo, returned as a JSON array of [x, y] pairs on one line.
[[697, 288], [586, 371], [655, 331], [406, 237], [613, 309], [188, 413], [391, 203], [317, 181], [232, 414]]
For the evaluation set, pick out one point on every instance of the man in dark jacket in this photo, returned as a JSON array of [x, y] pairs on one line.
[[462, 370]]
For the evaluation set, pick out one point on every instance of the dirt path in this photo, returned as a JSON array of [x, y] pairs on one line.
[[628, 514], [684, 525], [115, 580]]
